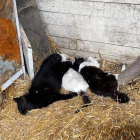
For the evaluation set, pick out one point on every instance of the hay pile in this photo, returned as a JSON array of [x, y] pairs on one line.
[[104, 119]]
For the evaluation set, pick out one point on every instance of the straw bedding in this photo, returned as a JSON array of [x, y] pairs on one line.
[[104, 119]]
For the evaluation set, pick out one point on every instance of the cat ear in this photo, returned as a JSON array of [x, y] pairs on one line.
[[23, 99], [17, 100]]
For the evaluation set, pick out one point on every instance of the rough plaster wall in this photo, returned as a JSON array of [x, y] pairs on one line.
[[84, 27]]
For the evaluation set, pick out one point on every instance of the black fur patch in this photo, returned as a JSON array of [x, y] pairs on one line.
[[77, 63], [43, 99], [45, 86], [102, 83]]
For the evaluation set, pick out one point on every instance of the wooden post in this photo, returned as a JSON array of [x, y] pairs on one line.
[[130, 73], [30, 20]]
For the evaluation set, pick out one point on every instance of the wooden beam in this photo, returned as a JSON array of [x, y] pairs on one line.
[[130, 73]]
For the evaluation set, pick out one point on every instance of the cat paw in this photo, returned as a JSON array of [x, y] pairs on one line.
[[123, 98], [74, 94]]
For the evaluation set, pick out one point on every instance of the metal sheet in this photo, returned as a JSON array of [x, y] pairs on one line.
[[11, 58]]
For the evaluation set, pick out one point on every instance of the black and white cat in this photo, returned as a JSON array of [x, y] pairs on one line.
[[100, 82], [46, 85]]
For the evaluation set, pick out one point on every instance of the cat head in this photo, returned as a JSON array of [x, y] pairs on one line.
[[23, 104], [76, 63]]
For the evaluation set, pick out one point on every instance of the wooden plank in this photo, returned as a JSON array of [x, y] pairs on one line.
[[27, 49], [123, 54], [130, 73], [98, 9], [100, 36]]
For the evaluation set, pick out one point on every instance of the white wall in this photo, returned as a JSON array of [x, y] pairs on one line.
[[83, 27]]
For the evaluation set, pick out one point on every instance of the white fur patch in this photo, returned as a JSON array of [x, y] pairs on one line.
[[90, 62], [73, 61], [64, 57], [123, 67], [91, 59], [73, 81], [116, 75]]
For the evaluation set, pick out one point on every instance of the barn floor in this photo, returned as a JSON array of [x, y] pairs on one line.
[[104, 119]]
